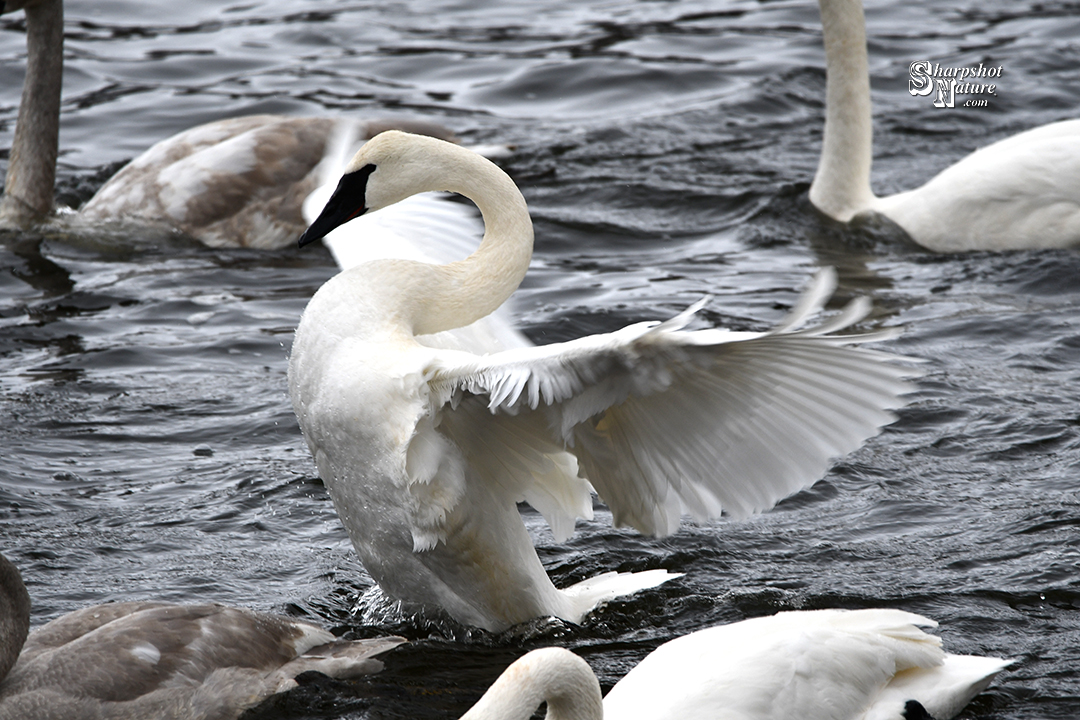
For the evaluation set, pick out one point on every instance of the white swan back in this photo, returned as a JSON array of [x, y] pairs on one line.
[[813, 665], [1021, 192]]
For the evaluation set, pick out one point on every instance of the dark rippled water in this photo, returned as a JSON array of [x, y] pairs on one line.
[[147, 447]]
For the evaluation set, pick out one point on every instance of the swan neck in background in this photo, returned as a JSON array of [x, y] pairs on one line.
[[473, 288], [14, 615], [31, 174], [552, 675], [841, 187]]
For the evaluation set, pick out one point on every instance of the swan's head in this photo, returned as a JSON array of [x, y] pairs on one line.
[[552, 675], [389, 168]]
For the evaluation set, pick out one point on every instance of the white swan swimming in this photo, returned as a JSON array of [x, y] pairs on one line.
[[1020, 192], [157, 660], [238, 182], [817, 665], [426, 451]]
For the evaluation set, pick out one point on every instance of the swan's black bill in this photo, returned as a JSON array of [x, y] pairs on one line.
[[346, 203]]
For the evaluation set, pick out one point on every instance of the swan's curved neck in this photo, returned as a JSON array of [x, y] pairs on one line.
[[31, 174], [432, 298], [552, 675], [841, 187], [475, 287], [14, 615]]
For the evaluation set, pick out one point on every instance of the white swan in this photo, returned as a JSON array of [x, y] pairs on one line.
[[159, 660], [817, 665], [426, 452], [239, 182], [1020, 192]]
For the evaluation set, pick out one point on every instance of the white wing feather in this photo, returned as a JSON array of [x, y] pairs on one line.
[[429, 227], [665, 421], [517, 454]]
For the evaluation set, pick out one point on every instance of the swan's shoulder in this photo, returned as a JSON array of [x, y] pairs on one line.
[[235, 182], [1051, 131], [1020, 192]]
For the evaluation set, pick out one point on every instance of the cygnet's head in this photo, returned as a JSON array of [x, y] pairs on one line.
[[389, 168]]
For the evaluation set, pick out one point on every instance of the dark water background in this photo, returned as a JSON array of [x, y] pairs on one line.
[[147, 447]]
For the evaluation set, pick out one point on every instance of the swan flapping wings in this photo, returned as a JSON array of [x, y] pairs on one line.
[[426, 444]]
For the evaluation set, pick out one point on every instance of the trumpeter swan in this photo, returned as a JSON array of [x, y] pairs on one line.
[[238, 182], [159, 660], [1020, 192], [426, 451], [817, 665]]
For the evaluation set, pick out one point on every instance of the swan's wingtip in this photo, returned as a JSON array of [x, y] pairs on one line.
[[821, 287]]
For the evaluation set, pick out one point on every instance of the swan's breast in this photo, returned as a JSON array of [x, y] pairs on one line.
[[366, 410]]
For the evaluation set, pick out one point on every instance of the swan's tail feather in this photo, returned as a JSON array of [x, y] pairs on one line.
[[588, 594], [943, 690]]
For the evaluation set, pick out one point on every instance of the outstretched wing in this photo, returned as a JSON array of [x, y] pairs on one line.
[[665, 421]]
